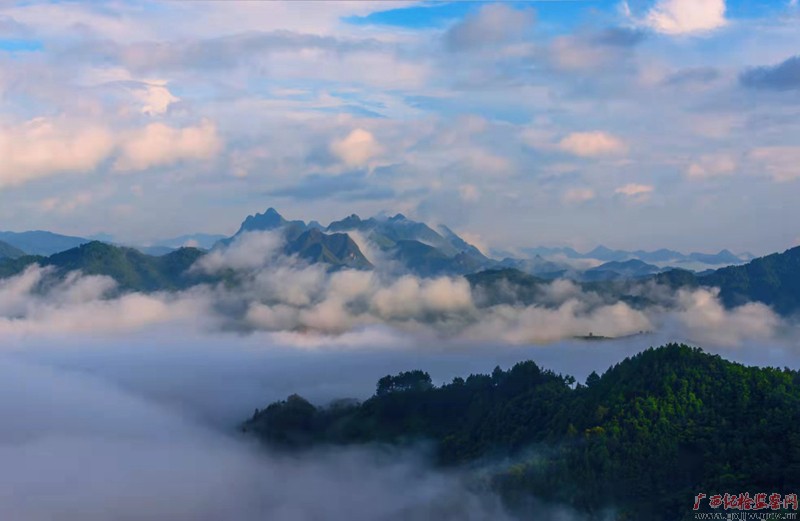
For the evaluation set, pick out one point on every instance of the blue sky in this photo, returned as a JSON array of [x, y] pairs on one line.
[[646, 123], [11, 46]]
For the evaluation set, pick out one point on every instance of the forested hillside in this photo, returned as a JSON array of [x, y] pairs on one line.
[[641, 440]]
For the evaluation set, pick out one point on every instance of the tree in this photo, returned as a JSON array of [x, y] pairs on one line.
[[407, 381]]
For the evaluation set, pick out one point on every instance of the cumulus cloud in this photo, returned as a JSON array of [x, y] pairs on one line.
[[155, 98], [494, 24], [44, 146], [158, 144], [593, 144], [707, 321], [357, 148], [677, 17], [711, 165]]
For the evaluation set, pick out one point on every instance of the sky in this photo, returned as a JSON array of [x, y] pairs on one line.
[[638, 124]]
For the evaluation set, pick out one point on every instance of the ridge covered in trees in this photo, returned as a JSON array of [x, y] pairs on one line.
[[640, 441]]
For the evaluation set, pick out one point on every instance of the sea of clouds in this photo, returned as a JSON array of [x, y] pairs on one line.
[[125, 405], [278, 293]]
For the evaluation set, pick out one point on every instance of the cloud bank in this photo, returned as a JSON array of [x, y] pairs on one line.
[[81, 449], [266, 290]]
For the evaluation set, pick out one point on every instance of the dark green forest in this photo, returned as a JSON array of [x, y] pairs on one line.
[[639, 441]]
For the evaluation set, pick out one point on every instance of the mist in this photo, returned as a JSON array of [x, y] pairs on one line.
[[144, 427], [278, 293], [126, 405]]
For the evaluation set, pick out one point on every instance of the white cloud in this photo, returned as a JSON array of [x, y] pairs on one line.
[[37, 302], [578, 195], [781, 163], [677, 17], [249, 250], [357, 148], [634, 190], [42, 147], [708, 321], [572, 317], [155, 98], [593, 144], [711, 165], [410, 297], [158, 144]]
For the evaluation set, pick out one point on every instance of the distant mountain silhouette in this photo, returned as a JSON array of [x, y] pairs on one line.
[[41, 242], [10, 252]]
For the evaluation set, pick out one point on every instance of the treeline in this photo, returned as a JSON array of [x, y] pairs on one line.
[[641, 440]]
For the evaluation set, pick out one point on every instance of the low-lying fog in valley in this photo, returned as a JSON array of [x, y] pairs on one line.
[[126, 405]]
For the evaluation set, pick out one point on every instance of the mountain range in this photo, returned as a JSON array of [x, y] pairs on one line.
[[41, 242], [411, 245], [663, 255], [401, 244], [414, 245]]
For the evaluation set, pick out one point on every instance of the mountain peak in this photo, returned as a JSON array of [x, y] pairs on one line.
[[268, 220], [351, 222]]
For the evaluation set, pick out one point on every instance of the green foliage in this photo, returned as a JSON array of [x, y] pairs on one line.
[[773, 280], [641, 439], [10, 267], [8, 251], [404, 382], [130, 268]]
